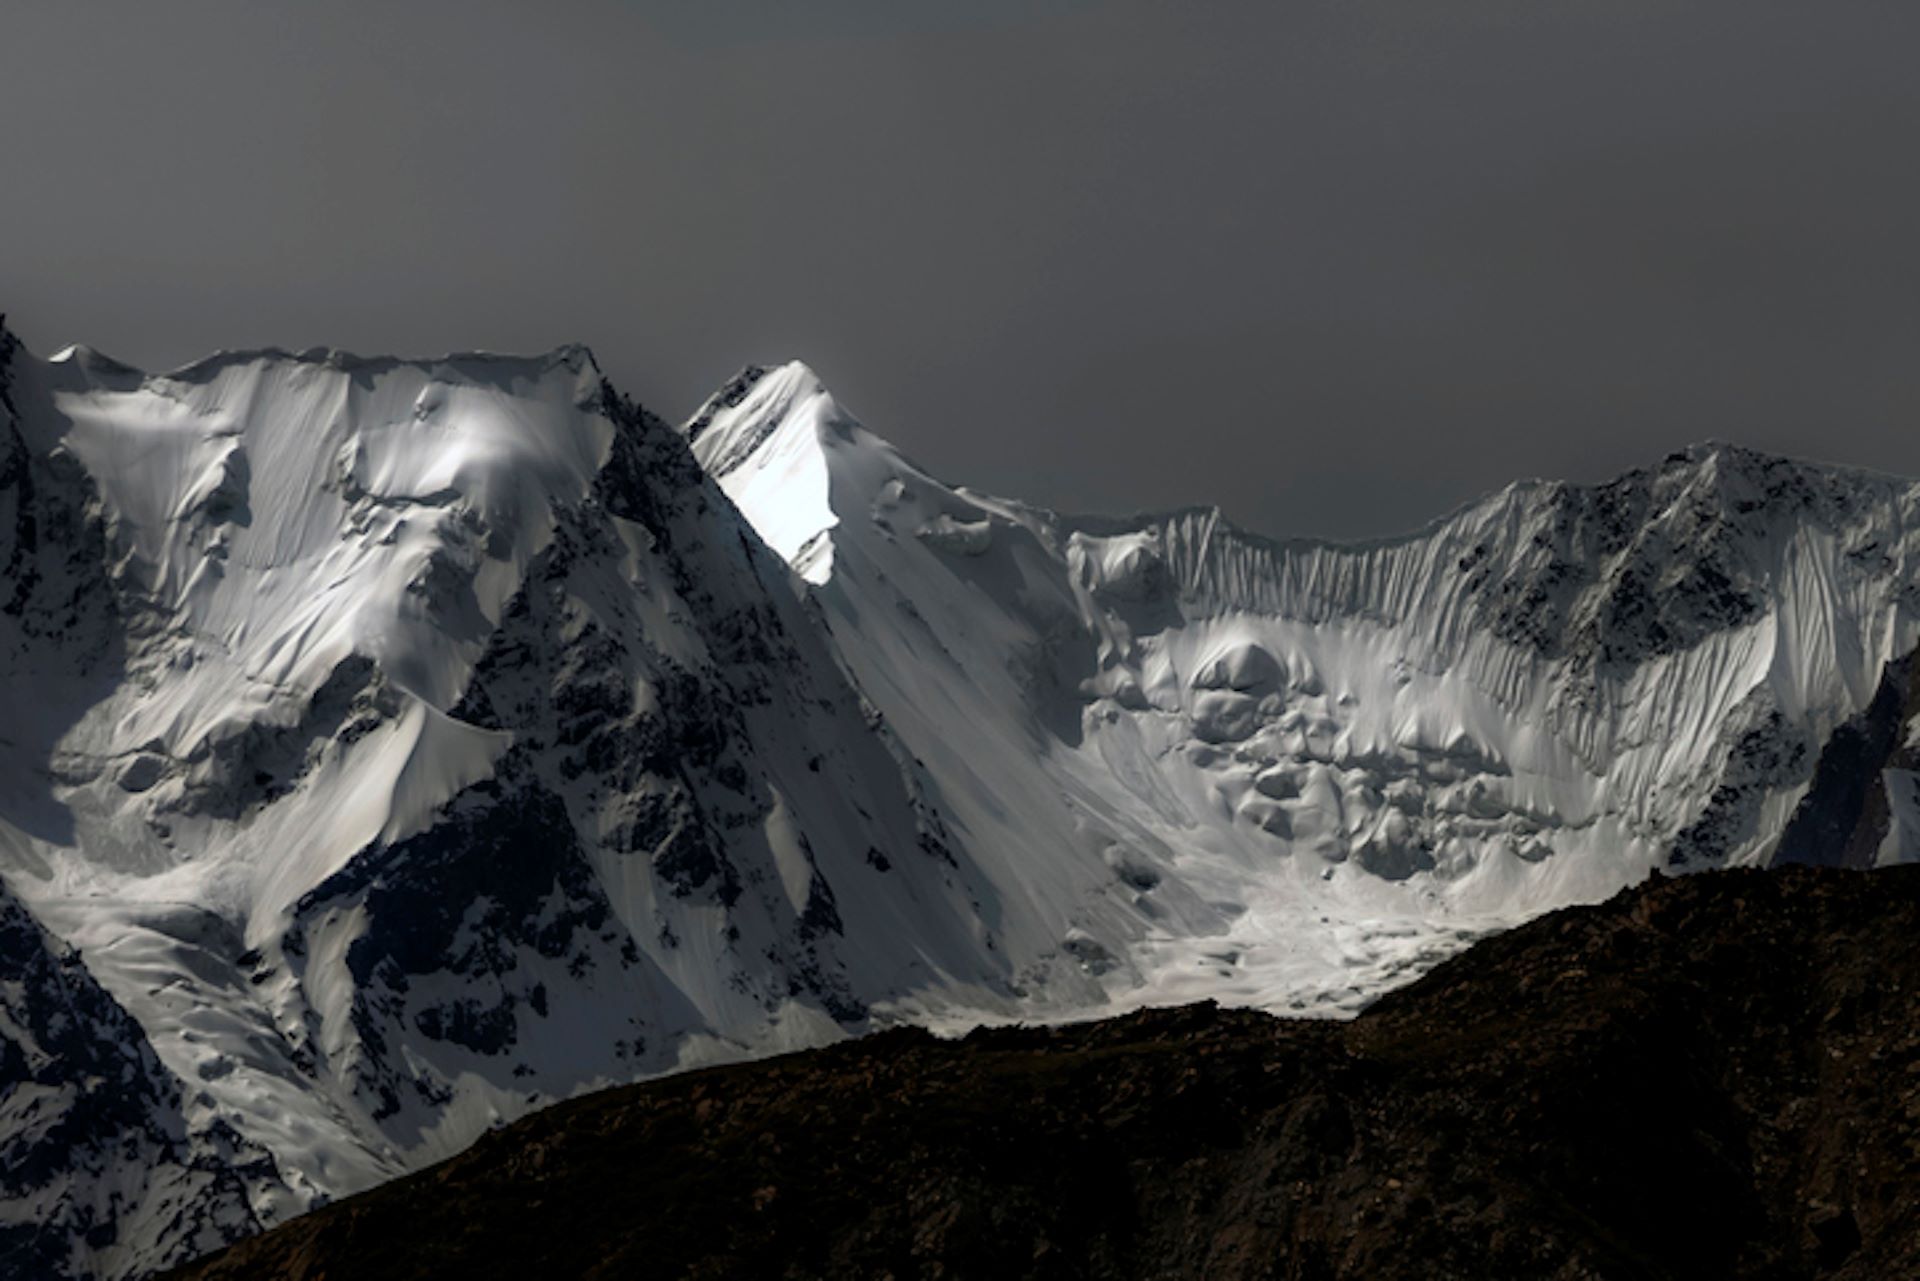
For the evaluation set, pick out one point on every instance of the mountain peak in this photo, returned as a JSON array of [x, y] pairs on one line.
[[392, 709], [762, 436], [751, 405], [93, 362]]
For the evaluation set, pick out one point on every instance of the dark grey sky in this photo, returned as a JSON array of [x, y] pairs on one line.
[[1335, 266]]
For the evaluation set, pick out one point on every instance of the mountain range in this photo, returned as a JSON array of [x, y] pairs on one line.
[[394, 747]]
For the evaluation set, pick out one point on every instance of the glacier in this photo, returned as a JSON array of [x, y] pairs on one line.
[[393, 746], [1289, 774]]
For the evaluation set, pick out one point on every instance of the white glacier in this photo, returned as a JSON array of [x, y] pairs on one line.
[[1291, 774]]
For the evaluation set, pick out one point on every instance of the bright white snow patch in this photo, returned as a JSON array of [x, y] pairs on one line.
[[769, 454]]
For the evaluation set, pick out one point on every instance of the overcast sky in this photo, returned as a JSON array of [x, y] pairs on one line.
[[1337, 267]]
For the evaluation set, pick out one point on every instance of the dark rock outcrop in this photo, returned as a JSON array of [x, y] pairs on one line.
[[1714, 1076], [1844, 816]]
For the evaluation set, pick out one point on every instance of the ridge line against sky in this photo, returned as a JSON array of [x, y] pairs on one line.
[[1335, 267]]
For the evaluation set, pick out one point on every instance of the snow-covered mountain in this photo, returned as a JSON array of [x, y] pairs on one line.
[[400, 745], [389, 747], [1291, 773]]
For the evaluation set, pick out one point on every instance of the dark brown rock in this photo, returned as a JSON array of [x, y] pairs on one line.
[[1716, 1076]]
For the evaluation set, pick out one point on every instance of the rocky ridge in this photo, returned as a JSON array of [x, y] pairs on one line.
[[1708, 1076]]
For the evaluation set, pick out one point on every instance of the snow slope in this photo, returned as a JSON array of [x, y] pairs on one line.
[[1292, 773]]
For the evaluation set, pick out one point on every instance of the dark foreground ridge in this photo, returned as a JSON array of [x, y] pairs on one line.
[[1716, 1076]]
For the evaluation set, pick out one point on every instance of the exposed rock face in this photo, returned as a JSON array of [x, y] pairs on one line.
[[97, 1154], [1859, 810], [1711, 1076]]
